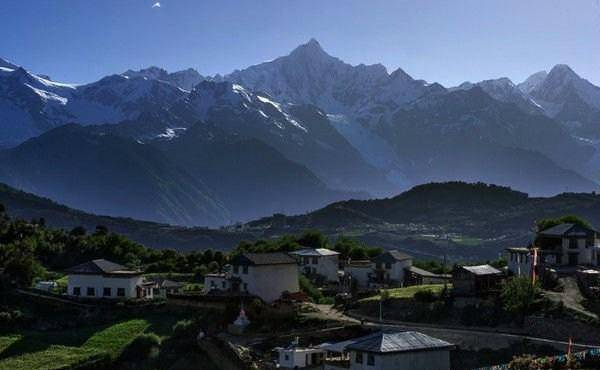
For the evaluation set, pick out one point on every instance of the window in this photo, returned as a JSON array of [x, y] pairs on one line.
[[359, 359], [91, 292], [120, 292], [156, 291], [287, 357], [224, 284], [315, 260], [76, 290], [306, 260], [388, 265], [245, 287], [245, 269], [236, 269], [106, 292], [370, 360]]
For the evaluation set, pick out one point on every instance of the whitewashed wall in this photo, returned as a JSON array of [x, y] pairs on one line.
[[99, 282]]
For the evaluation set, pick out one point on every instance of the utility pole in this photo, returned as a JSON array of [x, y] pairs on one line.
[[380, 309]]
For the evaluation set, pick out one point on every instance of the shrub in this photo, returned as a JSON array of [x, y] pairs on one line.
[[307, 287], [142, 347], [425, 296], [385, 295], [186, 328], [518, 295]]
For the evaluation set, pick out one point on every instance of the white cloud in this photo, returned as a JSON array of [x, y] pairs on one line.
[[156, 4]]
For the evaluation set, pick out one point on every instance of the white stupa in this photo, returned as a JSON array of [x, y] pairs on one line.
[[240, 324]]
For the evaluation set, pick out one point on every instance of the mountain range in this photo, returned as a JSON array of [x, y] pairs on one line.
[[287, 136]]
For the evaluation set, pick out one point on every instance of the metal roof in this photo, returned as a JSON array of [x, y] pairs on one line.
[[392, 256], [390, 342], [482, 270], [310, 252], [277, 258], [519, 250], [567, 229], [557, 230], [100, 267], [426, 273]]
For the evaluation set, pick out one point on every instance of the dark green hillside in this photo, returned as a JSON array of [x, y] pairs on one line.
[[24, 205], [483, 218]]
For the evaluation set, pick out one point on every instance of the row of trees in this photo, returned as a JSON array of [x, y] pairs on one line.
[[30, 249]]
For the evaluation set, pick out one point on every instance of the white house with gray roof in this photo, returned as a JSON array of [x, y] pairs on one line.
[[105, 279], [266, 275], [390, 351], [318, 261], [390, 267]]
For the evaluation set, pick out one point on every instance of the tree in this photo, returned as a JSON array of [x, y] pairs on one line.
[[313, 239], [518, 295], [547, 223]]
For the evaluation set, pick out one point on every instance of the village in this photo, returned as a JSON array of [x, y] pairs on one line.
[[309, 308]]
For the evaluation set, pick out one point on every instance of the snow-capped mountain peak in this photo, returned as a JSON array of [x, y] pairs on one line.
[[185, 79], [532, 82]]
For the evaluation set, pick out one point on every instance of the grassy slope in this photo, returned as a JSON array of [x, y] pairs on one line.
[[52, 350], [407, 292]]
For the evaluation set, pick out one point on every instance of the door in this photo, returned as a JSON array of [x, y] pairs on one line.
[[573, 259]]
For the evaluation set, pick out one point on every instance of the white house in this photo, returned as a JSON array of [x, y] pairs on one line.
[[321, 261], [216, 281], [390, 267], [266, 275], [295, 356], [104, 279], [162, 287], [568, 245], [519, 261], [359, 271], [390, 350]]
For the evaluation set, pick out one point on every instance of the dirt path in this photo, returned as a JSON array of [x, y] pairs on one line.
[[571, 296]]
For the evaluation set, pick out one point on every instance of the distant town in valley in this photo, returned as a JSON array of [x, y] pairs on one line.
[[317, 185]]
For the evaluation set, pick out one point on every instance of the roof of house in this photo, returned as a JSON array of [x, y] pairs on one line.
[[277, 258], [426, 273], [519, 250], [563, 229], [360, 263], [310, 252], [166, 283], [392, 256], [482, 270], [390, 342], [101, 267]]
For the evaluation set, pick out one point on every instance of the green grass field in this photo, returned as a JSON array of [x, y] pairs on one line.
[[407, 292], [53, 350]]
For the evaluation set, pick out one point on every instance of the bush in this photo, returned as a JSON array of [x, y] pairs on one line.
[[518, 295], [307, 287], [186, 328], [142, 347], [425, 296]]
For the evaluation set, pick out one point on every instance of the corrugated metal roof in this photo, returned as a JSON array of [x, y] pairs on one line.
[[392, 256], [482, 270], [309, 252], [388, 342], [422, 272], [557, 230], [100, 266], [277, 258]]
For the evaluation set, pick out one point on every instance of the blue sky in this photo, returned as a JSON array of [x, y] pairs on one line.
[[443, 41]]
